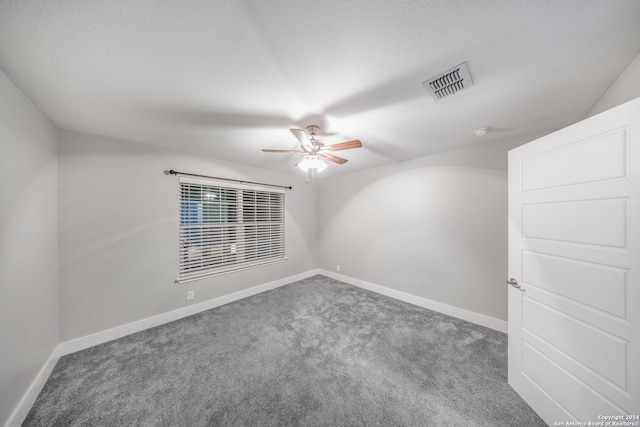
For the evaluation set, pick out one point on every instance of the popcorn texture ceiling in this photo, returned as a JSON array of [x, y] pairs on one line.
[[224, 79]]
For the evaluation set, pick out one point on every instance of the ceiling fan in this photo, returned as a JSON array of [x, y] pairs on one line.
[[315, 151]]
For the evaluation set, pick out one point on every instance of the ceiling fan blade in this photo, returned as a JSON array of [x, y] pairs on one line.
[[346, 145], [301, 136], [334, 159], [268, 150]]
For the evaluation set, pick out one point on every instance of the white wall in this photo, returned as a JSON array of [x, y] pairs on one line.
[[28, 244], [434, 227], [625, 88], [119, 232]]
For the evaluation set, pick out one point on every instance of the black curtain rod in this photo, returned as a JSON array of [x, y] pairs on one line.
[[172, 172]]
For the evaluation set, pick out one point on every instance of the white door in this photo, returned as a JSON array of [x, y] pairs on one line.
[[574, 249]]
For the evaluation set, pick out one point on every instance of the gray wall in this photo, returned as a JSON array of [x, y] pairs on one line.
[[625, 88], [435, 227], [28, 244], [119, 232]]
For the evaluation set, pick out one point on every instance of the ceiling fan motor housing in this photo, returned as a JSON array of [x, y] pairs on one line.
[[312, 130]]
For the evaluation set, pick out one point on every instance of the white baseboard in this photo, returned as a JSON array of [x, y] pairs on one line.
[[23, 407], [81, 343], [470, 316]]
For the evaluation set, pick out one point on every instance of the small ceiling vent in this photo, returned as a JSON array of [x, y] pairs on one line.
[[449, 82]]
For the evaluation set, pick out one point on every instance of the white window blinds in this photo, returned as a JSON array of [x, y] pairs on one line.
[[227, 227]]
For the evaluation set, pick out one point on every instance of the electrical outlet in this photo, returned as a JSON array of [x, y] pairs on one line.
[[190, 295], [337, 268]]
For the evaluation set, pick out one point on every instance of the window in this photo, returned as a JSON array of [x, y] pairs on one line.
[[227, 227]]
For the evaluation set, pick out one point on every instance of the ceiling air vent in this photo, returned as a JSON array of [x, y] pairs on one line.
[[449, 82]]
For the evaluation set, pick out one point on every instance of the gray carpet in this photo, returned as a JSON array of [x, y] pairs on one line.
[[317, 352]]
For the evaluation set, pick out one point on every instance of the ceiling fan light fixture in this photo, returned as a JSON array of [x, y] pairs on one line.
[[304, 164], [312, 162], [320, 165]]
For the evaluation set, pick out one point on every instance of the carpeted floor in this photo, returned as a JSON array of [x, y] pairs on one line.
[[317, 352]]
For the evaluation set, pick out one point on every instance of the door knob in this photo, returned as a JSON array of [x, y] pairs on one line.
[[513, 282]]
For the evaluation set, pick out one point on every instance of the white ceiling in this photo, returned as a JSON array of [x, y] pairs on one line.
[[224, 79]]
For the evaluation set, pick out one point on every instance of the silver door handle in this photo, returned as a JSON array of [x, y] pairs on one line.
[[513, 282]]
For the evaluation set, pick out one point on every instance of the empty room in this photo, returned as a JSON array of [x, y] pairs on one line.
[[319, 213]]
